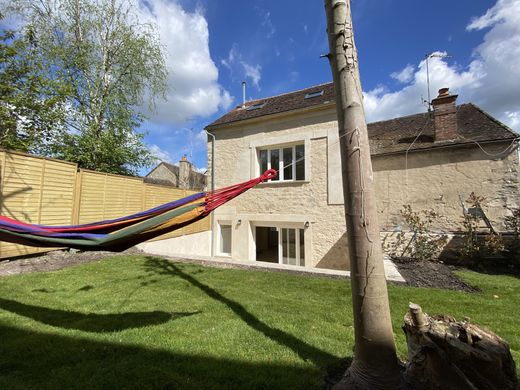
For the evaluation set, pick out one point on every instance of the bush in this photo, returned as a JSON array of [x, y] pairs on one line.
[[424, 245], [512, 224], [476, 243]]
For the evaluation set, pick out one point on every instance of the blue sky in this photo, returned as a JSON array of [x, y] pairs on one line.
[[211, 46]]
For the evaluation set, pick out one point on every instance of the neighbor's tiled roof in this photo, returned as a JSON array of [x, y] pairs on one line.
[[394, 135], [277, 104], [154, 180], [397, 135]]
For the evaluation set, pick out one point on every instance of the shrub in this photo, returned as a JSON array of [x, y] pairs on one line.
[[476, 243], [512, 224], [424, 245]]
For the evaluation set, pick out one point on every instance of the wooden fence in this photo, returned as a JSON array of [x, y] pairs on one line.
[[52, 192]]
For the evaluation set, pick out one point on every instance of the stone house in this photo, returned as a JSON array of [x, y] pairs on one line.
[[427, 160], [181, 176]]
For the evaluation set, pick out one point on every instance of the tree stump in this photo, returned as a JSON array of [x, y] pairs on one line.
[[446, 354]]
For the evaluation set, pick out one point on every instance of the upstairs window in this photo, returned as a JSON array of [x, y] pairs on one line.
[[289, 161]]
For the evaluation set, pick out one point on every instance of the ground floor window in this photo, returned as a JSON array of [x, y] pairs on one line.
[[280, 245], [225, 239]]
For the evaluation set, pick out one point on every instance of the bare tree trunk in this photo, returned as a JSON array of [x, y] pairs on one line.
[[375, 365]]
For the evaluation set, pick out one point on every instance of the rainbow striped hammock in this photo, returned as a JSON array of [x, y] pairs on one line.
[[122, 233]]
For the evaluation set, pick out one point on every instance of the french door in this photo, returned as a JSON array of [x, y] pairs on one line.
[[291, 246]]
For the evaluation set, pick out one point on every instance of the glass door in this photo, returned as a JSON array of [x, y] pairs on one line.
[[292, 247]]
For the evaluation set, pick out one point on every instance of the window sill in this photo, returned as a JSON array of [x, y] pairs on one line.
[[226, 255], [283, 183]]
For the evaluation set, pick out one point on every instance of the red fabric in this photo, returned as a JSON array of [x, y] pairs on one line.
[[223, 195]]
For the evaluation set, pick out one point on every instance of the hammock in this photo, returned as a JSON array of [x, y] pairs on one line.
[[122, 233]]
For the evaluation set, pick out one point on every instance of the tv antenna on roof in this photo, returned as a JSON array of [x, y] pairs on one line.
[[427, 57]]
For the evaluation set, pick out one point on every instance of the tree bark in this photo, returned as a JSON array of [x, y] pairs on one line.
[[375, 365]]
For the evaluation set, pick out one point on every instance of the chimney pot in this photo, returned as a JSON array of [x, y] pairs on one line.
[[443, 92]]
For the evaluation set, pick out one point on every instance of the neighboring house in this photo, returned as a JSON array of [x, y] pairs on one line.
[[428, 160], [182, 176]]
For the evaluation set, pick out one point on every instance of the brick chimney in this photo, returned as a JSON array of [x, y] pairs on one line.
[[184, 173], [445, 116]]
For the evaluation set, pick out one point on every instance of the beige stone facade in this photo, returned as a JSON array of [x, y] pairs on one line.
[[433, 178], [440, 179]]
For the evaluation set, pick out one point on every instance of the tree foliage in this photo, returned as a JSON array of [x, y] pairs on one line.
[[105, 62], [31, 111]]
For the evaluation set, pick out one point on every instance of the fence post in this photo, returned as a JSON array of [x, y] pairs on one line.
[[77, 198]]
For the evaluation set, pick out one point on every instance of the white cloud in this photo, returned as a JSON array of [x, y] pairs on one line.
[[491, 80], [513, 118], [240, 69], [254, 73], [202, 138], [161, 155], [382, 104], [193, 88], [267, 22], [502, 11], [405, 75]]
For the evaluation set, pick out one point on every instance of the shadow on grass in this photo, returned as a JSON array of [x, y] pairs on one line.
[[41, 360], [89, 322], [300, 347]]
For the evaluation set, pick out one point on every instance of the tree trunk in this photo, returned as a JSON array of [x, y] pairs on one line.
[[445, 354], [375, 365]]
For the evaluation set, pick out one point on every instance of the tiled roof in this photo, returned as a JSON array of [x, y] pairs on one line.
[[277, 104], [398, 135], [394, 135], [154, 180]]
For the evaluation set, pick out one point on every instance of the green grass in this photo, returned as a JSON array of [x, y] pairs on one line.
[[141, 322]]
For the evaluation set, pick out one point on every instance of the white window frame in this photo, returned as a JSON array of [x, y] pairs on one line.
[[298, 224], [297, 245], [282, 164], [220, 224], [267, 142]]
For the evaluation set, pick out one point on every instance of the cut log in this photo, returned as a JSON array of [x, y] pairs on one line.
[[446, 354]]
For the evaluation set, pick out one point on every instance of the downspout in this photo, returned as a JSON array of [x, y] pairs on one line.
[[212, 189]]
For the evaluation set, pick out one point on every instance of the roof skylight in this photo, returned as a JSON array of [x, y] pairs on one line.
[[255, 106], [313, 94]]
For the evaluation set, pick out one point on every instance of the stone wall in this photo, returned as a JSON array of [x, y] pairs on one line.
[[438, 179]]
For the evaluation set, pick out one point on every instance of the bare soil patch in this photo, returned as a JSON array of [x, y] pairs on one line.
[[430, 274], [54, 260]]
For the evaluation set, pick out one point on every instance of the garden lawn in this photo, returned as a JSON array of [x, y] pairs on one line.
[[142, 322]]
